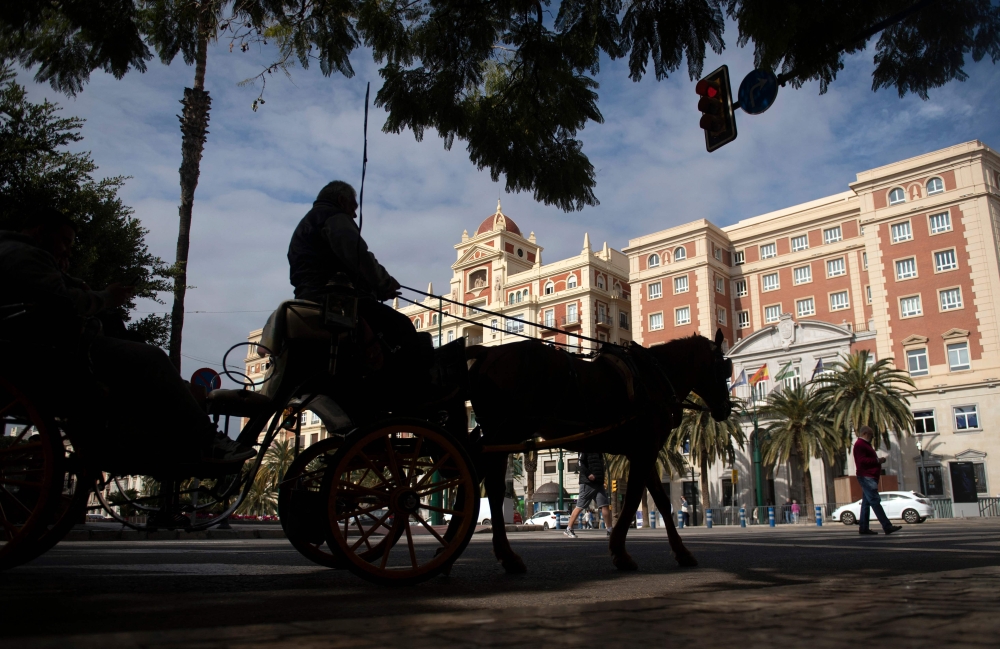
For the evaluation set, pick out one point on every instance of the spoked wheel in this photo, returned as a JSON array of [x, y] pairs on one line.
[[30, 458], [302, 509], [379, 485]]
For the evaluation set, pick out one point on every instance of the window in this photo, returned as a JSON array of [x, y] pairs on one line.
[[571, 314], [772, 313], [805, 308], [550, 288], [493, 324], [515, 326], [718, 252], [314, 419], [573, 466], [655, 290], [958, 357], [966, 417], [738, 258], [945, 260], [864, 260], [436, 340], [931, 483], [720, 285], [868, 294], [550, 318], [653, 261], [623, 320], [549, 466], [416, 323], [768, 250], [901, 232], [839, 301], [934, 186], [832, 235], [571, 281], [514, 298], [680, 253], [836, 267], [451, 336], [770, 282], [791, 378], [951, 298], [655, 321], [923, 422], [600, 281], [800, 243], [940, 222], [916, 362], [743, 319], [760, 392], [906, 268], [897, 196], [910, 306], [802, 275], [682, 316], [720, 315], [740, 288], [681, 284]]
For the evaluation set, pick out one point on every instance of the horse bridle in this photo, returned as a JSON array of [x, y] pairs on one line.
[[720, 366]]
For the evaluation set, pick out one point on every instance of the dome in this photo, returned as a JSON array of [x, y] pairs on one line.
[[498, 221]]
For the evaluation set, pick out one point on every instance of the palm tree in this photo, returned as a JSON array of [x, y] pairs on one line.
[[276, 462], [801, 426], [708, 440], [859, 393]]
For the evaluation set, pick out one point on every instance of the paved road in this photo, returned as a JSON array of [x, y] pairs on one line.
[[934, 584]]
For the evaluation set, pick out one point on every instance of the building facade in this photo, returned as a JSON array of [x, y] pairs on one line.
[[905, 264]]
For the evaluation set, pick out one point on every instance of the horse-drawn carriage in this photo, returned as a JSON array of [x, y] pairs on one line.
[[390, 466]]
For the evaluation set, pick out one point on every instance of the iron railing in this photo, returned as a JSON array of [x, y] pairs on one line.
[[570, 320], [989, 506], [942, 507]]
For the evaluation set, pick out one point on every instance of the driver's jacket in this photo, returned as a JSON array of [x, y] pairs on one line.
[[30, 275]]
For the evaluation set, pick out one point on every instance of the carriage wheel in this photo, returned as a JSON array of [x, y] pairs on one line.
[[28, 469], [378, 486]]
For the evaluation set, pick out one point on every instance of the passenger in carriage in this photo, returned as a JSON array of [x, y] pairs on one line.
[[327, 241], [143, 384]]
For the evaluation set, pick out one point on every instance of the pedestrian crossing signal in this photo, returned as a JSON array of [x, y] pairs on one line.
[[716, 106]]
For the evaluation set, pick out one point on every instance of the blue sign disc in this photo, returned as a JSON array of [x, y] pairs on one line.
[[207, 378], [758, 91]]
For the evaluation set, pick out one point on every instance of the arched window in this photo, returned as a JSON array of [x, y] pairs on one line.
[[434, 318], [512, 298], [897, 196], [416, 323], [934, 186], [524, 294], [680, 253], [654, 261], [600, 281], [550, 288], [571, 281]]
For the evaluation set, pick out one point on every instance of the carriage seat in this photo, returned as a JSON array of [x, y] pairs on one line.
[[237, 403], [293, 320]]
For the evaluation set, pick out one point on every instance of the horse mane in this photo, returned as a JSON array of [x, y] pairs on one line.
[[682, 350]]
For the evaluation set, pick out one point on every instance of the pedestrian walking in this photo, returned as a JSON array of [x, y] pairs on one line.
[[795, 511], [685, 511], [869, 467], [786, 511], [591, 490]]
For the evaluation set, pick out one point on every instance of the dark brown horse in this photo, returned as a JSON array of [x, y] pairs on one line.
[[634, 398]]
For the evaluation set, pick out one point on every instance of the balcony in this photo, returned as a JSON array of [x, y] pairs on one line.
[[569, 320], [604, 319], [623, 324]]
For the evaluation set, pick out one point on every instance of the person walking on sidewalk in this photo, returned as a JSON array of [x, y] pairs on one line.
[[869, 467], [591, 489]]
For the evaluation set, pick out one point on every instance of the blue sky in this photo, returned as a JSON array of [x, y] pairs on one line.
[[262, 170]]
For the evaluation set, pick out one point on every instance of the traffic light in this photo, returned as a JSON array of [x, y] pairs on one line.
[[614, 486], [716, 104]]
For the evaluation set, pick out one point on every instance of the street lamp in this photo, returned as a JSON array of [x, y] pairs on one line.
[[923, 470], [757, 460]]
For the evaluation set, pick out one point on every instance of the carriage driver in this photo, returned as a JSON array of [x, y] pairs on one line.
[[327, 241], [142, 383]]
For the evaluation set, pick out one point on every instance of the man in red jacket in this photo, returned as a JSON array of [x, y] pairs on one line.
[[869, 467]]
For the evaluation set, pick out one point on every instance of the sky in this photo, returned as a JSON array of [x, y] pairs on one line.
[[261, 170]]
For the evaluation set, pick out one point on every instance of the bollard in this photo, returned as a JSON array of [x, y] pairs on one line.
[[680, 520], [743, 516], [708, 519], [770, 516], [819, 516]]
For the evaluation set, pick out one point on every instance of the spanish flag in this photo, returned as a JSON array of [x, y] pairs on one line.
[[759, 375]]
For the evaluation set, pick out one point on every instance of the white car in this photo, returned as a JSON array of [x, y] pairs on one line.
[[547, 520], [910, 506]]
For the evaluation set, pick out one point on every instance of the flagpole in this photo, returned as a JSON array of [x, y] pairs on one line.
[[758, 477]]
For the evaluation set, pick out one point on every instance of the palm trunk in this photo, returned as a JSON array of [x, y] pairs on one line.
[[645, 508], [807, 485], [706, 501], [530, 465], [194, 129]]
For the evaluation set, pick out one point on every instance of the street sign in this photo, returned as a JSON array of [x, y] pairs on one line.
[[758, 91], [736, 474], [207, 378]]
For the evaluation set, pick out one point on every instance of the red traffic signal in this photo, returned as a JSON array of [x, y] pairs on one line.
[[716, 105]]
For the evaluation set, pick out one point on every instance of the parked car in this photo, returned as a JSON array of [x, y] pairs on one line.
[[547, 519], [910, 506]]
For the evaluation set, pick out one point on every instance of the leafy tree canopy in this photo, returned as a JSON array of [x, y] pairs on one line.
[[515, 79], [36, 167]]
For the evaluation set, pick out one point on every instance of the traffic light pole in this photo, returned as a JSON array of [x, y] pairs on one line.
[[560, 481]]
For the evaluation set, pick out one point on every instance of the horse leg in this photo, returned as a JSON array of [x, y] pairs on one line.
[[633, 494], [496, 471], [681, 554]]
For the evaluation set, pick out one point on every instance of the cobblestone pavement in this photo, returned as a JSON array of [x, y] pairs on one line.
[[937, 584]]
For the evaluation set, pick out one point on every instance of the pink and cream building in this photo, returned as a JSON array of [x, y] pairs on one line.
[[905, 264]]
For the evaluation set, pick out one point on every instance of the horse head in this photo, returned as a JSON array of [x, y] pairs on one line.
[[697, 364]]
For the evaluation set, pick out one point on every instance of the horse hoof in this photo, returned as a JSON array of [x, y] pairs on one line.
[[687, 561], [625, 563], [514, 566]]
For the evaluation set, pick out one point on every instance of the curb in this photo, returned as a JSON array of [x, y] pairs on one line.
[[510, 528], [170, 535]]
